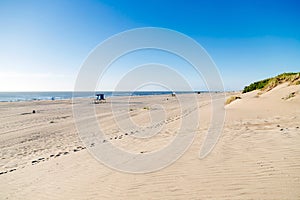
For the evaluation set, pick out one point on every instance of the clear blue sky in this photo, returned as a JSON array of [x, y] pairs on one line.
[[43, 43]]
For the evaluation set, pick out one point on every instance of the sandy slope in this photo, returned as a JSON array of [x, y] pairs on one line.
[[257, 156]]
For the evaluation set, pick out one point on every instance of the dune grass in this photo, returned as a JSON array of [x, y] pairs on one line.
[[291, 95], [270, 83], [231, 99]]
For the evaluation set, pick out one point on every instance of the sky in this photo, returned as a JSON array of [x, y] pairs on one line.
[[43, 43]]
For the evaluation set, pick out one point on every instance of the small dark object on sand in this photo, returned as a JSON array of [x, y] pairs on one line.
[[281, 129], [33, 111], [278, 125], [297, 127]]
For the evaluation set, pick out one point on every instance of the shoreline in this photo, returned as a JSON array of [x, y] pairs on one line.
[[36, 98]]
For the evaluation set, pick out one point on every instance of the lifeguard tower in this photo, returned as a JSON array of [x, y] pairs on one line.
[[100, 98]]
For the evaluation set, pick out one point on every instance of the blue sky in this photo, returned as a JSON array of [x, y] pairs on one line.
[[44, 43]]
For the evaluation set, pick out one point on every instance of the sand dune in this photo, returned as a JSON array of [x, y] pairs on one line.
[[257, 156]]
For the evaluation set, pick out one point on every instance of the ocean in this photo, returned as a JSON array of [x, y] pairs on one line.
[[35, 96]]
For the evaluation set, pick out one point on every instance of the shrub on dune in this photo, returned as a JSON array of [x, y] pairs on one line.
[[270, 83]]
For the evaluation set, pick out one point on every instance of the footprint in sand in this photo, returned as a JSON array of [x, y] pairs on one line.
[[34, 162], [12, 170], [59, 154], [79, 148]]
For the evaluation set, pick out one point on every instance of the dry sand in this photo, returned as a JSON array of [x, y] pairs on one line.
[[257, 156]]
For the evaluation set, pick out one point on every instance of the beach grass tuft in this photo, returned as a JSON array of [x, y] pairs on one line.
[[231, 99]]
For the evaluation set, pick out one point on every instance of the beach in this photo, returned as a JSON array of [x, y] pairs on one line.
[[256, 157]]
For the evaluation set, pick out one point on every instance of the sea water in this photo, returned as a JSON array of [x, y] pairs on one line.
[[31, 96]]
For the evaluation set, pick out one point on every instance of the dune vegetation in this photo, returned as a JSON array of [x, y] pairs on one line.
[[270, 83], [231, 99]]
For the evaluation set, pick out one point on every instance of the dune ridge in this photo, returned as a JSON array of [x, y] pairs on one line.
[[270, 83]]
